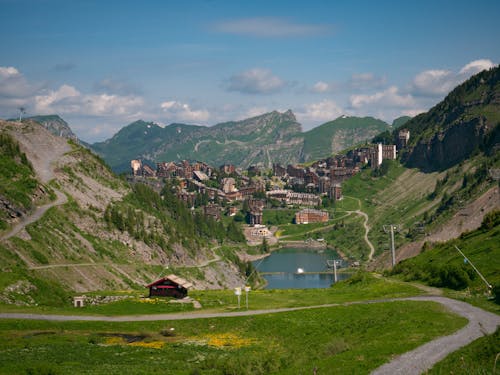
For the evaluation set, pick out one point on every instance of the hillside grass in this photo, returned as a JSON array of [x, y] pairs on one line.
[[479, 357], [442, 265], [415, 201], [17, 178], [346, 339], [360, 287]]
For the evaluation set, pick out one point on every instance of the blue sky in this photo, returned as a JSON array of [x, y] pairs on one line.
[[104, 64]]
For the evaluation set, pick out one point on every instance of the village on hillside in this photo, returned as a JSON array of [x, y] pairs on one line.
[[244, 194]]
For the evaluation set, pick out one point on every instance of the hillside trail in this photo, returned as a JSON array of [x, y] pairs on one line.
[[414, 362], [43, 157], [36, 215], [205, 263], [424, 357], [429, 290], [365, 225]]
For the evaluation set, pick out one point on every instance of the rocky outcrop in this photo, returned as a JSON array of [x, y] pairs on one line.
[[56, 125], [11, 210], [467, 120], [448, 148]]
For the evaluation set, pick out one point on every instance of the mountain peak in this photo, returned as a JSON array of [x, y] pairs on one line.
[[290, 115], [466, 120], [55, 124]]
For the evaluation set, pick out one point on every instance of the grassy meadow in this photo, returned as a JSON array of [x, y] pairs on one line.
[[360, 287], [343, 339]]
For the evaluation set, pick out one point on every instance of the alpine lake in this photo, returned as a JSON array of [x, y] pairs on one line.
[[302, 268]]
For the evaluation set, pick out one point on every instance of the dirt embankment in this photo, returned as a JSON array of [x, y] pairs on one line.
[[467, 218], [41, 148]]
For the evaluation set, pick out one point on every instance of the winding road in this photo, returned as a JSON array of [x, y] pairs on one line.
[[39, 211], [413, 362], [367, 230], [426, 356], [365, 224]]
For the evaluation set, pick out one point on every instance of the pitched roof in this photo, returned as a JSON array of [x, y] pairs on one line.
[[176, 279]]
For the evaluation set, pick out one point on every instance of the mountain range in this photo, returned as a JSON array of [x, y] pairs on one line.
[[68, 223], [273, 137]]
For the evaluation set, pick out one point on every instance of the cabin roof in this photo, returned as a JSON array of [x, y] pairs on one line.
[[175, 279]]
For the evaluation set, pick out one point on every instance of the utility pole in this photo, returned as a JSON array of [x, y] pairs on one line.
[[391, 228], [333, 263], [22, 111]]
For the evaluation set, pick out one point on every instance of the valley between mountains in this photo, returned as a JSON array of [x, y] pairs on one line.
[[200, 203]]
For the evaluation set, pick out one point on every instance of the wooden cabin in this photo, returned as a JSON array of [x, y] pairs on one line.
[[169, 286]]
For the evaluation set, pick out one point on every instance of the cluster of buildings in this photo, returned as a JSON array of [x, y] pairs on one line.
[[292, 185]]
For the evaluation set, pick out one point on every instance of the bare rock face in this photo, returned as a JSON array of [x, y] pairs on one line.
[[13, 212], [55, 125], [450, 147], [465, 121]]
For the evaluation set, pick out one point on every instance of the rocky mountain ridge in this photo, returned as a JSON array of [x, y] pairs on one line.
[[273, 137], [466, 121], [55, 125]]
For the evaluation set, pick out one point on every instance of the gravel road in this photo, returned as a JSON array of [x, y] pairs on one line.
[[426, 356], [61, 199], [414, 362]]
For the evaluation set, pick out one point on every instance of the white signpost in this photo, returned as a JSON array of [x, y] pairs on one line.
[[247, 289], [237, 291]]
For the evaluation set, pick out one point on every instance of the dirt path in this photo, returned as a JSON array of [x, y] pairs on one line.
[[415, 362], [61, 199], [43, 156], [367, 230], [426, 356], [90, 264], [365, 225]]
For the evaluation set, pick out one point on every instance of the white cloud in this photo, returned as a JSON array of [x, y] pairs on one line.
[[321, 87], [68, 100], [177, 111], [256, 81], [476, 66], [13, 85], [323, 111], [8, 71], [271, 27], [390, 97], [434, 82], [441, 82], [56, 99]]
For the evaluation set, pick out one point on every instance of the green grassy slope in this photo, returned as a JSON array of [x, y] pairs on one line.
[[350, 339], [442, 265], [466, 121], [339, 134], [18, 183], [108, 236], [418, 202]]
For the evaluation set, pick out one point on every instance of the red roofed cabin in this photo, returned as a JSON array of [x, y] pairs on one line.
[[169, 286]]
